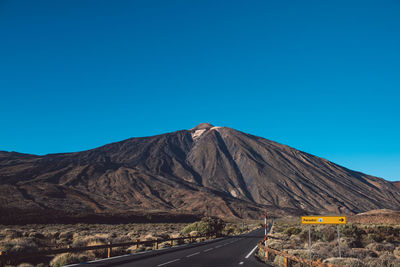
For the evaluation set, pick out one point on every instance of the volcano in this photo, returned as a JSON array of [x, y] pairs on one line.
[[206, 170]]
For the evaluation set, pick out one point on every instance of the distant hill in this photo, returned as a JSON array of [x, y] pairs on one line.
[[205, 170], [381, 216]]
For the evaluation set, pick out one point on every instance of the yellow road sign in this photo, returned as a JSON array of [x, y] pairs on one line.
[[323, 220]]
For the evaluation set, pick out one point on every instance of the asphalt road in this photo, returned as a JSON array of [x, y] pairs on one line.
[[224, 252]]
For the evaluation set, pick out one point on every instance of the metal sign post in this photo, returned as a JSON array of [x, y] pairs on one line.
[[309, 242], [323, 220], [338, 240], [265, 228]]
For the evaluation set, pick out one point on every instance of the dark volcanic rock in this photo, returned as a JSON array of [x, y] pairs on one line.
[[205, 170]]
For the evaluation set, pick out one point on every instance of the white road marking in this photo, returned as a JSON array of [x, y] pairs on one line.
[[93, 261], [251, 252], [192, 254], [241, 262], [168, 262], [218, 246], [208, 249]]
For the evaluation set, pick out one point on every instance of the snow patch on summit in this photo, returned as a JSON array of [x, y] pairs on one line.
[[196, 134], [215, 127]]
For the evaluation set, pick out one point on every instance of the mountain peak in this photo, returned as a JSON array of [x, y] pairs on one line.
[[202, 126], [208, 170]]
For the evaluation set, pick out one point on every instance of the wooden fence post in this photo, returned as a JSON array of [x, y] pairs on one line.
[[286, 264], [266, 255], [137, 243], [2, 259], [156, 244], [172, 243], [109, 250]]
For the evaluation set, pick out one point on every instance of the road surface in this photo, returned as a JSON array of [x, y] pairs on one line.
[[225, 252]]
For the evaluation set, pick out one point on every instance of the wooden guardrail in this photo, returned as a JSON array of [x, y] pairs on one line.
[[288, 258], [5, 257]]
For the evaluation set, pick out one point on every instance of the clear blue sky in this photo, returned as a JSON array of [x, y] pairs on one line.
[[321, 76]]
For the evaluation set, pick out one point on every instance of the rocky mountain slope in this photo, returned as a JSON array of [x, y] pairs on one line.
[[206, 170], [397, 184]]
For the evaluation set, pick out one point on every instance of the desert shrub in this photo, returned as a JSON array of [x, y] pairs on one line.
[[96, 239], [352, 230], [280, 227], [64, 259], [301, 253], [323, 249], [162, 236], [377, 237], [11, 233], [364, 253], [233, 229], [165, 244], [381, 247], [66, 235], [292, 231], [314, 234], [36, 235], [323, 233], [384, 233], [52, 235], [148, 237], [396, 252], [133, 249], [96, 252], [328, 233], [355, 233], [132, 235], [369, 262], [279, 260], [349, 262], [194, 233], [116, 251], [25, 244], [25, 265], [275, 244], [206, 226], [178, 241], [389, 260]]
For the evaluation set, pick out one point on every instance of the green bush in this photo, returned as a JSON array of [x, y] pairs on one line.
[[206, 226], [233, 229]]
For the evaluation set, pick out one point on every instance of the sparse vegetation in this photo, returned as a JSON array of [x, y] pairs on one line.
[[369, 245], [207, 226], [30, 238], [64, 259]]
